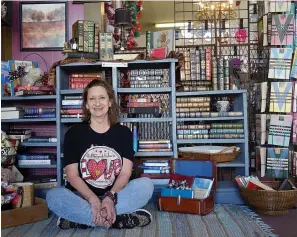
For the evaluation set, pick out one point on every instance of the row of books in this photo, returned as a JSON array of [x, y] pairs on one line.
[[155, 167], [138, 99], [253, 183], [81, 80], [36, 159], [144, 78], [26, 135], [20, 112], [150, 133], [200, 65], [29, 90]]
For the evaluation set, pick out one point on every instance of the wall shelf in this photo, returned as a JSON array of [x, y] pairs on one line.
[[37, 97]]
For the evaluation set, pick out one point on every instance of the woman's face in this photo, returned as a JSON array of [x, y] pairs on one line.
[[98, 101]]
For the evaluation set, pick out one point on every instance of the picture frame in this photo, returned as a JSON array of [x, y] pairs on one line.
[[43, 25]]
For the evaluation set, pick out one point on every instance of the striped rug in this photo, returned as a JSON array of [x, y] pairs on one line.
[[225, 220]]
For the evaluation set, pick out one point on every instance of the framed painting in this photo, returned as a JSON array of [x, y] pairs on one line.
[[43, 25]]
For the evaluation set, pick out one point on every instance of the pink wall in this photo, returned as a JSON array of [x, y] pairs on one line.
[[75, 12]]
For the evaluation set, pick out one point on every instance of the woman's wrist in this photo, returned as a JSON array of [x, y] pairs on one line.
[[111, 195], [93, 199]]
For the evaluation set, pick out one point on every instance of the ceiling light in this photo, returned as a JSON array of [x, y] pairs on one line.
[[171, 25]]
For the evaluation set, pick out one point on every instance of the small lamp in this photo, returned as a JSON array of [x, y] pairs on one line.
[[122, 20]]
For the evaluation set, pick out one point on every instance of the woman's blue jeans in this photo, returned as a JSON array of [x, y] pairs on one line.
[[66, 204]]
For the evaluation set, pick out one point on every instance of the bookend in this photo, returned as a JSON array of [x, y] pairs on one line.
[[180, 201]]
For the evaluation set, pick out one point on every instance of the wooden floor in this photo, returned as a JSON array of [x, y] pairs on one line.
[[284, 225]]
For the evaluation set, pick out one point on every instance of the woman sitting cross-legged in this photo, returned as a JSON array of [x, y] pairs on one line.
[[98, 159]]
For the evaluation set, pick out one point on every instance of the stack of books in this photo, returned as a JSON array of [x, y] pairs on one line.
[[155, 167], [36, 159], [12, 113], [34, 90]]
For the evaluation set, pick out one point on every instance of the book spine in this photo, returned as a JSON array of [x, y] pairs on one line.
[[71, 111], [91, 36], [214, 74], [40, 115], [226, 74], [72, 102], [149, 171], [39, 111], [154, 146], [220, 74], [203, 64], [33, 157], [34, 139], [96, 38], [208, 64], [80, 35], [135, 137], [34, 162], [72, 97]]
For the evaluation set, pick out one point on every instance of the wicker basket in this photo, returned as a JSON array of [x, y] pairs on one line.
[[270, 202], [220, 157], [26, 194]]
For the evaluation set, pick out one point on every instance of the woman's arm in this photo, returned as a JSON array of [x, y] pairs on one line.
[[124, 176], [76, 182], [119, 184]]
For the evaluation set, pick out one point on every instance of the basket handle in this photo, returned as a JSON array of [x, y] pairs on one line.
[[227, 149]]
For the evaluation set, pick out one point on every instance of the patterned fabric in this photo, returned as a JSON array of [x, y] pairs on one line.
[[225, 220]]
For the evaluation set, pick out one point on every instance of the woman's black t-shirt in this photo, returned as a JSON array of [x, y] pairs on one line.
[[99, 155]]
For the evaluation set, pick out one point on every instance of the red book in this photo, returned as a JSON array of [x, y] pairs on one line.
[[158, 52]]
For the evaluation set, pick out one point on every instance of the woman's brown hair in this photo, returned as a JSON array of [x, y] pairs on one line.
[[113, 111]]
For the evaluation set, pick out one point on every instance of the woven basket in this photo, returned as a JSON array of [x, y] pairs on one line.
[[219, 157], [26, 194], [270, 202]]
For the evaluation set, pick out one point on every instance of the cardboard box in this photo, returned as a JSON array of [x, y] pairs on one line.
[[20, 216]]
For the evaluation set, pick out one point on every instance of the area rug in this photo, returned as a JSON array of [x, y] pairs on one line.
[[226, 220]]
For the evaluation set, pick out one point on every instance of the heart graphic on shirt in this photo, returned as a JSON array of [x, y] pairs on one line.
[[96, 169]]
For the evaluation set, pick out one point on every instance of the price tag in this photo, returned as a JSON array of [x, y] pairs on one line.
[[114, 64]]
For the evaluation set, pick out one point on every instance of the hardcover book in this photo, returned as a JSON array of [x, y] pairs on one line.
[[279, 5], [164, 38], [295, 98], [294, 134], [277, 162], [280, 63], [281, 97], [282, 29], [262, 127], [280, 130], [261, 160], [261, 96], [294, 65]]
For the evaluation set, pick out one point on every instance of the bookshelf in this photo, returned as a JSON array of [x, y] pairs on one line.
[[227, 191], [39, 127]]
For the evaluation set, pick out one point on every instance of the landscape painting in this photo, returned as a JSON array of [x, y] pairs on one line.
[[43, 25]]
